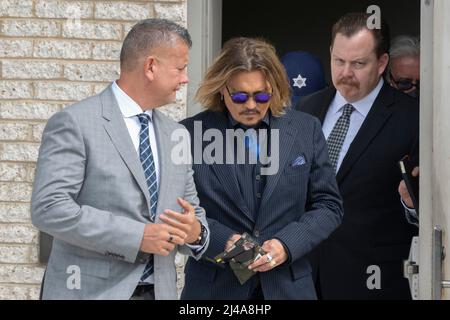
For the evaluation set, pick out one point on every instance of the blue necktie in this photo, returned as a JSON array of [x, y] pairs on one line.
[[251, 143], [148, 165]]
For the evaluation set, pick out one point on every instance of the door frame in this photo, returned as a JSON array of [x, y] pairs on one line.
[[426, 285], [204, 19]]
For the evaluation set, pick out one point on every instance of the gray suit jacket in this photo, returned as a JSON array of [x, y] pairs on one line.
[[90, 194]]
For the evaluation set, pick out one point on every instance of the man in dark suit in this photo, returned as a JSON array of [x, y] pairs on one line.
[[369, 127], [290, 210]]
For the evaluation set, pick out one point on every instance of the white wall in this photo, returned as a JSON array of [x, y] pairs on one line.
[[204, 18], [435, 146]]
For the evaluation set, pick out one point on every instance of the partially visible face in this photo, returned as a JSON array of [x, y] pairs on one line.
[[355, 67], [405, 69], [170, 72], [249, 113]]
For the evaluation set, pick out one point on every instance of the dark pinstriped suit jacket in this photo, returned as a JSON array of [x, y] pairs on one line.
[[300, 206]]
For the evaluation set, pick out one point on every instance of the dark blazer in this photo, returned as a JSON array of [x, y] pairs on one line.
[[300, 206], [374, 231]]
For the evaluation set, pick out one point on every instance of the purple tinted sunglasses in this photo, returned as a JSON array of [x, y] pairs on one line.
[[242, 97]]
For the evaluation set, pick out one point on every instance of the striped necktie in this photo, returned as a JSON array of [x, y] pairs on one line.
[[148, 165]]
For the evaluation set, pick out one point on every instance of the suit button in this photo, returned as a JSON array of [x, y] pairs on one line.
[[258, 195], [258, 178], [256, 234]]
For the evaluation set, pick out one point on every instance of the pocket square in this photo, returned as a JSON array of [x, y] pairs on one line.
[[300, 161]]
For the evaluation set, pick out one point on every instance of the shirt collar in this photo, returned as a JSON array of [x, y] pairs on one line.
[[127, 105], [362, 106], [264, 122]]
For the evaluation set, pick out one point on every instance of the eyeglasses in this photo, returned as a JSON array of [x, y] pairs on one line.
[[405, 84], [242, 97]]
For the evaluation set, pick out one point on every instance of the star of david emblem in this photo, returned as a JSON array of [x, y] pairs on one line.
[[300, 82]]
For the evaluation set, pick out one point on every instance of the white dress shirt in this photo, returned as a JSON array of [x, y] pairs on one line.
[[362, 109], [130, 111]]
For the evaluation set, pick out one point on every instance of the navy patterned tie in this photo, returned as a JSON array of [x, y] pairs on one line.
[[337, 136], [148, 165]]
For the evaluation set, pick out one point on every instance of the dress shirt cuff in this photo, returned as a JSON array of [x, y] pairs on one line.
[[411, 214], [197, 249]]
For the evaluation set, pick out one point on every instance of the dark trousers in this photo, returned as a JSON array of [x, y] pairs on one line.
[[257, 293], [144, 292]]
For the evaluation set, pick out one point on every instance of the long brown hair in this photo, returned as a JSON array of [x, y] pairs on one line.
[[244, 55]]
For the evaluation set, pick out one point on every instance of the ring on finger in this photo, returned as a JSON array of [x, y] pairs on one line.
[[269, 258], [273, 263]]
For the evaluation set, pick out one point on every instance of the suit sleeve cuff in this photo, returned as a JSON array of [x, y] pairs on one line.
[[289, 260], [197, 249]]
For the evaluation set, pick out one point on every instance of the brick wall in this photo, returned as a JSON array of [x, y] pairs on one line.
[[52, 53]]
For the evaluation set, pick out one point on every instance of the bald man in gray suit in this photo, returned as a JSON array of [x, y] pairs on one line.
[[106, 188]]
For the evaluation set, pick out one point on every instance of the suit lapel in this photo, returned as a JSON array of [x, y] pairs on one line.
[[377, 117], [120, 137], [226, 173], [321, 111], [163, 134], [287, 134]]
